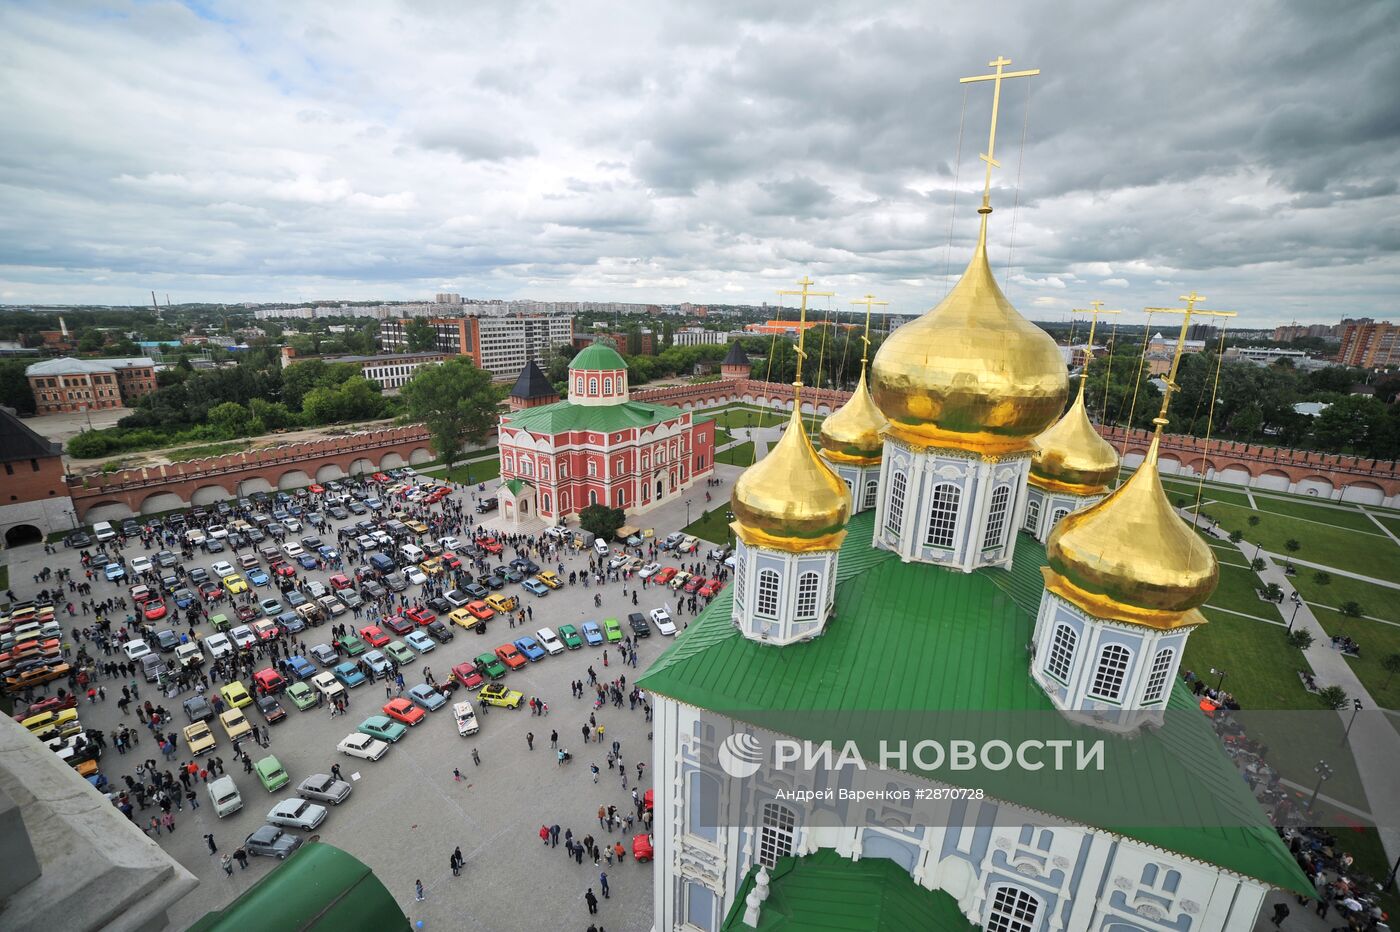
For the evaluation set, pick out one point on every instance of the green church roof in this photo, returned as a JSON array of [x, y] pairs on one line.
[[565, 415], [908, 641], [597, 356], [824, 892]]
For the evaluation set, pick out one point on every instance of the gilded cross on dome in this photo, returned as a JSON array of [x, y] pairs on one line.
[[1094, 310], [869, 302], [990, 155], [1187, 312], [802, 327]]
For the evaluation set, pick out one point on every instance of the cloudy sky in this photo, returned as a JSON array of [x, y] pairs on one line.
[[661, 152]]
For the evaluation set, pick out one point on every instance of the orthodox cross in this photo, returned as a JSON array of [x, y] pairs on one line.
[[802, 326], [869, 302], [1187, 312], [1095, 309], [990, 155]]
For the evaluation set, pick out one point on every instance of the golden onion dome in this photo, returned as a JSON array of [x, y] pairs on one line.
[[791, 500], [972, 373], [851, 434], [1130, 557], [1072, 457]]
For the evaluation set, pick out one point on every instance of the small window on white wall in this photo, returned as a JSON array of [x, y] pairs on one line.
[[809, 586], [1109, 675], [1059, 513], [775, 836], [592, 386], [767, 593], [1013, 910], [943, 516], [1157, 676], [872, 488], [739, 562], [1033, 515], [996, 517], [607, 385], [894, 513]]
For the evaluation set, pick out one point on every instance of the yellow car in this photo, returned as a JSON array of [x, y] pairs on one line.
[[417, 527], [235, 695], [432, 567], [460, 616], [200, 739], [235, 724], [60, 723], [496, 694], [235, 584], [550, 579], [502, 603]]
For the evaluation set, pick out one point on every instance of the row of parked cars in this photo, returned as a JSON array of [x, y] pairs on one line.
[[31, 651]]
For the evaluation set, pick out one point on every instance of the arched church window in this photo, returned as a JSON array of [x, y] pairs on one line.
[[996, 517], [1059, 513], [1012, 910], [607, 385], [809, 586], [592, 385], [767, 593], [775, 836], [943, 516], [739, 561], [1061, 657], [1111, 671], [1157, 676], [1033, 515], [894, 514], [872, 488]]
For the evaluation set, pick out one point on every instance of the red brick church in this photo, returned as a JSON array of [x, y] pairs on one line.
[[596, 447]]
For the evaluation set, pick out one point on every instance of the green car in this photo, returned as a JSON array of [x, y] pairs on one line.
[[351, 644], [569, 635], [271, 773], [383, 728], [490, 665], [612, 629], [301, 695], [220, 622], [398, 651]]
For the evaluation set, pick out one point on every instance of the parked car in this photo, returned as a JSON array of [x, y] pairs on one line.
[[297, 813], [324, 788], [270, 841]]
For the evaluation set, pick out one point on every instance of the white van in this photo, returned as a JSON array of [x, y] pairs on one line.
[[223, 793], [412, 553], [601, 546], [103, 532]]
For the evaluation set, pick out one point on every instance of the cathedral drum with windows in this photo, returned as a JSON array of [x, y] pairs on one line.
[[1072, 467]]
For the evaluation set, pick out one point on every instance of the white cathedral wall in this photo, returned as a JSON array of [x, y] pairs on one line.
[[1081, 878]]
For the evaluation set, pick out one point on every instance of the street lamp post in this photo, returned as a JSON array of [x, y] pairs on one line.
[[729, 517], [1296, 605], [1355, 707], [1220, 682], [1324, 773], [687, 512], [1258, 547]]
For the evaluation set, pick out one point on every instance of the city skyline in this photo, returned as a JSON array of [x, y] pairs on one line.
[[253, 152]]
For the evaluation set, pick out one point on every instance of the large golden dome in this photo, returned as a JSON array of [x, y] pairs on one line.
[[1131, 558], [791, 500], [1072, 457], [972, 373], [851, 434]]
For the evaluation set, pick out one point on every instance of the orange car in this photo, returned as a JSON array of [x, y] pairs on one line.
[[490, 545], [402, 710], [374, 635], [480, 610], [511, 656]]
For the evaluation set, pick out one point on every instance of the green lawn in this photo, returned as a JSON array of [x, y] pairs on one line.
[[711, 526], [1389, 521], [1373, 554], [722, 437], [1377, 641], [738, 455], [1377, 601], [1336, 517], [1237, 593], [1263, 668], [480, 471], [1178, 488]]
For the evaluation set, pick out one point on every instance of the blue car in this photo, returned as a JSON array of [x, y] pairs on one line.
[[349, 674], [301, 667], [327, 553], [307, 561], [592, 634], [114, 571], [530, 648], [258, 577], [535, 586], [184, 598]]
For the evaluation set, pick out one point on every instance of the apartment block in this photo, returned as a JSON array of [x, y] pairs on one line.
[[1369, 343], [500, 345]]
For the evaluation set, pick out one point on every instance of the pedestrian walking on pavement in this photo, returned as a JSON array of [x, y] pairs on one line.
[[530, 739], [213, 848], [418, 891], [592, 901], [603, 883], [227, 863], [476, 757]]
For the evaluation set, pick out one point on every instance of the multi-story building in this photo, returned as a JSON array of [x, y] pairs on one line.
[[1160, 350], [500, 345], [36, 501], [621, 341], [1290, 332], [447, 297], [67, 384], [786, 328], [390, 370], [1269, 355], [1369, 343], [698, 336]]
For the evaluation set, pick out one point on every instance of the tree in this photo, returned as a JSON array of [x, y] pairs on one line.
[[1236, 536], [230, 419], [456, 402], [1333, 697], [1391, 666], [601, 521], [1274, 592], [1350, 425], [14, 386], [421, 335], [1322, 578], [1258, 564], [1291, 545], [1352, 609], [1253, 520], [1300, 638]]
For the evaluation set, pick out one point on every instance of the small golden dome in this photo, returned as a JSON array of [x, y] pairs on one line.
[[1131, 558], [791, 500], [972, 373], [851, 434], [1072, 457]]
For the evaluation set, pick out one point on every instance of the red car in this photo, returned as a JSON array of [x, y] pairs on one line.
[[140, 594], [421, 615], [210, 591], [51, 704], [711, 588], [247, 612], [490, 545], [316, 488], [398, 624], [268, 680], [340, 581], [664, 576], [649, 799], [641, 848], [281, 568], [694, 583], [379, 477], [374, 635], [467, 675], [451, 562], [511, 656], [404, 711], [153, 609], [266, 629]]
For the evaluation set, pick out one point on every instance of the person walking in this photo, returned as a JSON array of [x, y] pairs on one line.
[[594, 767], [418, 893], [227, 864], [592, 901], [476, 757], [603, 883], [209, 840], [544, 835], [457, 862], [241, 857]]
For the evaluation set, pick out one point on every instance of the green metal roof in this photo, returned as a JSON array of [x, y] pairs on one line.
[[515, 485], [565, 416], [597, 356], [825, 892], [908, 640]]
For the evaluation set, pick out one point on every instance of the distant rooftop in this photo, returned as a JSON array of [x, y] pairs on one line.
[[67, 365]]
